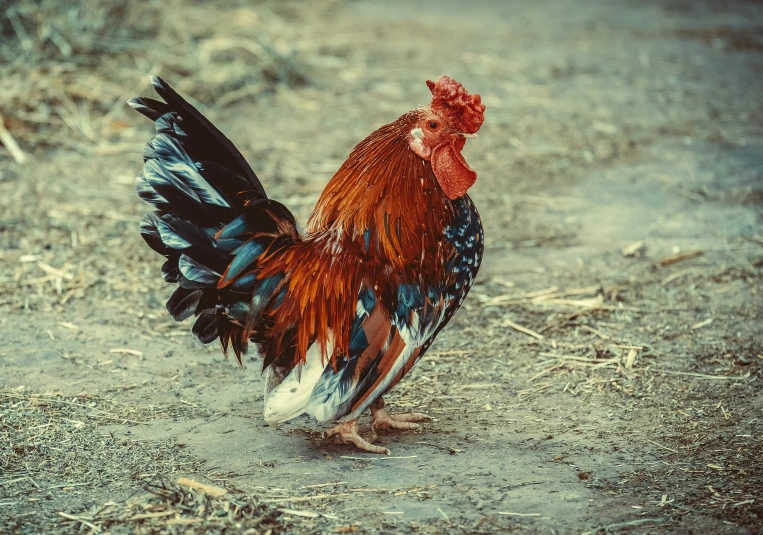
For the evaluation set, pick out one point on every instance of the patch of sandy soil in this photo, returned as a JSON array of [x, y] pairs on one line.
[[604, 375]]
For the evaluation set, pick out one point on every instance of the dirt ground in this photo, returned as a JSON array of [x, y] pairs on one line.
[[604, 375]]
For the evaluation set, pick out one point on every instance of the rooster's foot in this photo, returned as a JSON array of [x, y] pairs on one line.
[[403, 422], [347, 433]]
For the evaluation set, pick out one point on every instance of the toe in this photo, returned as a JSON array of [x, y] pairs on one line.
[[402, 425], [413, 417], [347, 433], [393, 423], [364, 445]]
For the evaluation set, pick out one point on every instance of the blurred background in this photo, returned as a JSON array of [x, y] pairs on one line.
[[620, 187]]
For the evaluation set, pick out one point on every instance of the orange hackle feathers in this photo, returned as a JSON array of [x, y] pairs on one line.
[[385, 188]]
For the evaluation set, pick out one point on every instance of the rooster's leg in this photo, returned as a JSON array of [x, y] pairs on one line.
[[404, 422], [347, 433]]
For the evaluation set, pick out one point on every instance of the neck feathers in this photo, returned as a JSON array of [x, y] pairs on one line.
[[386, 197]]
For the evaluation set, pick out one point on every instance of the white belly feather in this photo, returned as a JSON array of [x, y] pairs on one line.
[[290, 398]]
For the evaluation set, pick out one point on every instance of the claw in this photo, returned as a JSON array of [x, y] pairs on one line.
[[347, 433]]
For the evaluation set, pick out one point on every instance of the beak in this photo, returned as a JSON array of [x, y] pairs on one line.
[[470, 136]]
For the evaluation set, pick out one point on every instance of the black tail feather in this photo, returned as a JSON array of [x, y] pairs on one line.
[[153, 109], [239, 343], [228, 183], [212, 219], [206, 134], [196, 272], [170, 271], [206, 326], [183, 302]]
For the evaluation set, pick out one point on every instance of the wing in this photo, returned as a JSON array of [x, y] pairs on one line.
[[385, 343]]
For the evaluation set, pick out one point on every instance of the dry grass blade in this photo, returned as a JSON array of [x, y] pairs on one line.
[[547, 296], [317, 485], [592, 303], [208, 489], [631, 358], [637, 522], [703, 323], [126, 351], [525, 330], [13, 148], [147, 516], [306, 514], [545, 372], [701, 375], [81, 520], [305, 498], [378, 458]]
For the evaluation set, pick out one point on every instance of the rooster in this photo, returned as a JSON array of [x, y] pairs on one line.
[[338, 313]]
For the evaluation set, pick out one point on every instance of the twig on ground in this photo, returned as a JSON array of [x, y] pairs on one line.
[[680, 257]]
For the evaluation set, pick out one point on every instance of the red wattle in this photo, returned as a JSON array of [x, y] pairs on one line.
[[451, 170]]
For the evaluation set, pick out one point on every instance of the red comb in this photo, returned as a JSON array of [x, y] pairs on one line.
[[451, 97]]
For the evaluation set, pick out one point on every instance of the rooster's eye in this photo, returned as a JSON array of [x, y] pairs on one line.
[[433, 125]]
